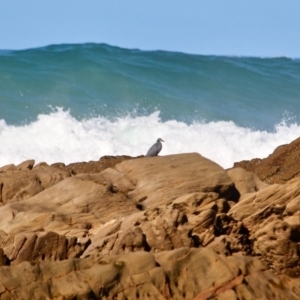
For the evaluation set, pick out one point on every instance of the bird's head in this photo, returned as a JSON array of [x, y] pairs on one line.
[[160, 140]]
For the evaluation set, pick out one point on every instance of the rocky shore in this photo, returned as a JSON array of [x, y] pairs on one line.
[[167, 227]]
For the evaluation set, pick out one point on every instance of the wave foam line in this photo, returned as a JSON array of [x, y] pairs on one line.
[[58, 137]]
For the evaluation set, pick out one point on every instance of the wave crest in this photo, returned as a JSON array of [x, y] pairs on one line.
[[59, 137]]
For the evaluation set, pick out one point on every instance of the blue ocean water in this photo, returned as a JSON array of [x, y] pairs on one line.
[[67, 103]]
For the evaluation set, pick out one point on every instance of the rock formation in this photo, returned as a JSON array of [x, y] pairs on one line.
[[279, 167], [166, 227]]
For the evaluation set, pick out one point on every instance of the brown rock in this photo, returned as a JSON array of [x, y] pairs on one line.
[[26, 165], [277, 244], [3, 258], [24, 182], [179, 274], [93, 167], [279, 167], [89, 201], [125, 220], [80, 201], [159, 180], [8, 168], [186, 222], [274, 197], [39, 246], [270, 215], [245, 182]]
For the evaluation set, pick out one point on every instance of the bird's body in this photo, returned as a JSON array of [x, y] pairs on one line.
[[155, 149]]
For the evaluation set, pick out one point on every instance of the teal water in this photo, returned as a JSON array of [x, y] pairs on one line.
[[68, 103], [100, 80]]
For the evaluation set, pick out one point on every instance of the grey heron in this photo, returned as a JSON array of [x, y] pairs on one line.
[[156, 148]]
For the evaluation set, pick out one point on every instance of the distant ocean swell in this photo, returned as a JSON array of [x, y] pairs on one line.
[[79, 102]]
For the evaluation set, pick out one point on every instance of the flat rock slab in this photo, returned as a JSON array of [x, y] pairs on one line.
[[159, 180], [92, 167], [79, 199]]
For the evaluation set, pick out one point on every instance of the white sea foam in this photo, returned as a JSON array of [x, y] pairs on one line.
[[58, 137]]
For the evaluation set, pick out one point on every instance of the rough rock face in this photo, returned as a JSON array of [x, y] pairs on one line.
[[92, 167], [170, 227], [272, 217], [279, 167], [21, 183], [24, 181], [122, 211], [184, 273]]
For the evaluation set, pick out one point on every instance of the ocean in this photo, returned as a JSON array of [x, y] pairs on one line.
[[72, 103]]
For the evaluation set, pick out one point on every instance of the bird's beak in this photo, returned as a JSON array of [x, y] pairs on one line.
[[162, 140]]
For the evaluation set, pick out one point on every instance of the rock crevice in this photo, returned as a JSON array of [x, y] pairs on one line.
[[169, 227]]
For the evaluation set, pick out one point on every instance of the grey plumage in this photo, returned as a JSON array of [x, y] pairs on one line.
[[156, 148]]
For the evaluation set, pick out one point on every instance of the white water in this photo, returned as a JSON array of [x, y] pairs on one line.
[[58, 137]]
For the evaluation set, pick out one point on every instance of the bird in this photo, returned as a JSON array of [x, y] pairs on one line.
[[155, 149]]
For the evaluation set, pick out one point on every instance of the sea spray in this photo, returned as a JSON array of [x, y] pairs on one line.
[[69, 103], [59, 137]]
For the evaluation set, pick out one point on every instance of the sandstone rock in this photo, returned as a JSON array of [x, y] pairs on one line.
[[276, 196], [8, 168], [39, 246], [245, 182], [277, 243], [3, 258], [26, 165], [16, 187], [170, 227], [93, 167], [87, 201], [159, 180], [188, 221], [166, 227], [270, 215], [178, 274], [75, 201], [151, 230], [23, 183], [279, 167], [293, 206]]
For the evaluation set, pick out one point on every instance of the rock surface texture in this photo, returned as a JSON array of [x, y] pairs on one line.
[[165, 227], [279, 167]]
